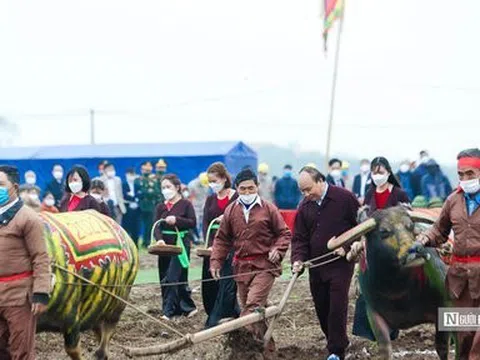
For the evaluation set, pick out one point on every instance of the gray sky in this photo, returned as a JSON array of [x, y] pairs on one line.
[[252, 70]]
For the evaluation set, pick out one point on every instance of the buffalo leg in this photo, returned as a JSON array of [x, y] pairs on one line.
[[381, 331], [442, 341], [72, 343], [106, 331]]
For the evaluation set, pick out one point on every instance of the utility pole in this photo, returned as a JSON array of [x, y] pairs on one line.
[[92, 127]]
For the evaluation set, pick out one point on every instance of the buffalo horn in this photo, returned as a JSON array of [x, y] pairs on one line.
[[421, 217], [352, 234]]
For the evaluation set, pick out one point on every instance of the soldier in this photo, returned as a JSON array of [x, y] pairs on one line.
[[147, 191], [160, 170]]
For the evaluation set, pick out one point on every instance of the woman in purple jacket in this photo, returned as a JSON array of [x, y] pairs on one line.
[[219, 297], [177, 213]]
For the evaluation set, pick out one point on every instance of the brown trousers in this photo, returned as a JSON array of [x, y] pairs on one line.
[[17, 333], [253, 293], [468, 342]]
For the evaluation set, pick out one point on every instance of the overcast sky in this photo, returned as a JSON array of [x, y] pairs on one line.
[[251, 70]]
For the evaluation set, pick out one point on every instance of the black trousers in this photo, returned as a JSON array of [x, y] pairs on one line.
[[220, 297], [177, 299], [330, 295], [147, 221], [131, 224]]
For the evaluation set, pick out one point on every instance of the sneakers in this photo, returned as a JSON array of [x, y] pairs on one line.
[[166, 318], [333, 357]]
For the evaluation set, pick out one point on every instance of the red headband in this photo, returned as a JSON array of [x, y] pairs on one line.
[[469, 162]]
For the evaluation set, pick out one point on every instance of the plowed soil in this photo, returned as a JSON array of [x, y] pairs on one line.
[[297, 333]]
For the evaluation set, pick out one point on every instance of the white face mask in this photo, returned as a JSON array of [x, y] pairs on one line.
[[168, 194], [424, 160], [336, 174], [216, 187], [58, 175], [365, 168], [130, 178], [247, 199], [380, 179], [404, 168], [111, 173], [75, 186], [186, 194], [30, 180], [470, 186], [49, 202], [34, 197], [97, 197]]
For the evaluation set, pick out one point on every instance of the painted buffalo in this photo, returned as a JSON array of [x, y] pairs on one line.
[[402, 283], [97, 248]]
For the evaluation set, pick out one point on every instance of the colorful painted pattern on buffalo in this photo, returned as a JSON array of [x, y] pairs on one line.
[[89, 240]]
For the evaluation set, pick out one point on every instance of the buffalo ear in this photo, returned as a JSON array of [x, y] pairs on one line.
[[362, 214]]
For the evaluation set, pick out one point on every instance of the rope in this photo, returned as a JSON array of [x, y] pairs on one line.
[[119, 299], [307, 264]]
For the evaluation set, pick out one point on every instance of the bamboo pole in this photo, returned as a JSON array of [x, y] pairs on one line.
[[283, 302], [206, 334]]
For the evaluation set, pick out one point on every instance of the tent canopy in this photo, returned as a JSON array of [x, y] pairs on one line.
[[186, 160]]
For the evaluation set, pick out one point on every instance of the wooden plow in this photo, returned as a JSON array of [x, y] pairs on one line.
[[272, 312]]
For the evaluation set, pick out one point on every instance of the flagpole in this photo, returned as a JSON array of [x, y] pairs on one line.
[[334, 87]]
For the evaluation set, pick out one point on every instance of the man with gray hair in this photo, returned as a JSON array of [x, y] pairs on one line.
[[461, 213]]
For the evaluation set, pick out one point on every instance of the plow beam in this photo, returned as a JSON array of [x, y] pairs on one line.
[[204, 335]]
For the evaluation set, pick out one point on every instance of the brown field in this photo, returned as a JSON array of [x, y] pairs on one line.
[[297, 333]]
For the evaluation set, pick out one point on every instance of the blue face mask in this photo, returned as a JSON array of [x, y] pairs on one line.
[[287, 173], [4, 196]]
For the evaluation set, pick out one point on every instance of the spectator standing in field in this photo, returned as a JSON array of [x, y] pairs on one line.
[[265, 185], [48, 203], [434, 183], [76, 196], [335, 173], [147, 193], [132, 218], [362, 181], [56, 186], [287, 193], [405, 176], [113, 184], [199, 190]]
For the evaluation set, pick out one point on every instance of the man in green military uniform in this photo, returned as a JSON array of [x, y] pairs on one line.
[[147, 192], [160, 170]]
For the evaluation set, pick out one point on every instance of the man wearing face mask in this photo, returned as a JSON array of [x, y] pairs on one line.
[[406, 178], [461, 213], [24, 270], [327, 211], [419, 172], [287, 194], [131, 220], [30, 178], [335, 173], [434, 183], [115, 191], [256, 231], [56, 187], [30, 195], [199, 191], [362, 181], [147, 192], [265, 186]]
